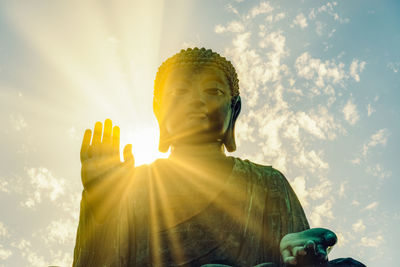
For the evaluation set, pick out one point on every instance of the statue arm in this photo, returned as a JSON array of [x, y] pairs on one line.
[[281, 212], [106, 180], [105, 243], [301, 245]]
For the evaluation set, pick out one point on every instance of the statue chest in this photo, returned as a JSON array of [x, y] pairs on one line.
[[213, 234], [191, 219], [180, 194]]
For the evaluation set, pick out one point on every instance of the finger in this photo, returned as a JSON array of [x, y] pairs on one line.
[[321, 252], [330, 239], [128, 156], [98, 127], [106, 142], [299, 251], [107, 131], [95, 148], [288, 257], [309, 247], [115, 142], [85, 144]]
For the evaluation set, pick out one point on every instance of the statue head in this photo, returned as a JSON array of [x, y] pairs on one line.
[[196, 99]]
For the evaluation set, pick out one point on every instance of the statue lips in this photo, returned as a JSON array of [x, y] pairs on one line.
[[196, 115]]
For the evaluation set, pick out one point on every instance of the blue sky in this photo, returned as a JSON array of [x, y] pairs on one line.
[[320, 86]]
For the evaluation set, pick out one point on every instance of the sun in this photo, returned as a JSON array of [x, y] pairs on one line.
[[144, 140]]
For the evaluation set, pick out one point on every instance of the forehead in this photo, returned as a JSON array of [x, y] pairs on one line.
[[202, 73]]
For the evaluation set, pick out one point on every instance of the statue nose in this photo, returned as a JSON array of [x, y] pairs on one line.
[[196, 98]]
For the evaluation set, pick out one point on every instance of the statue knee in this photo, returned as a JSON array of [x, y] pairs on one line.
[[348, 262]]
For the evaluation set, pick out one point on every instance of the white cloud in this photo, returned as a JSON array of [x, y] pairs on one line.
[[32, 257], [18, 122], [322, 189], [271, 135], [356, 68], [60, 258], [299, 186], [4, 253], [310, 125], [279, 16], [253, 70], [371, 206], [301, 21], [370, 110], [378, 138], [73, 133], [394, 66], [243, 131], [318, 71], [320, 123], [275, 43], [342, 189], [350, 112], [356, 161], [331, 33], [329, 9], [3, 230], [321, 212], [358, 226], [60, 231], [233, 26], [374, 242], [342, 240], [230, 8], [22, 244], [311, 160], [292, 132], [319, 27], [378, 171], [4, 186], [43, 182], [262, 8], [312, 14]]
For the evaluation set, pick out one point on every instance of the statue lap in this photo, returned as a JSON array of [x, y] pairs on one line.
[[340, 262]]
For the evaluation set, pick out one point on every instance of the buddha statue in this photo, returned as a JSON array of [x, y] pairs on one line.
[[199, 207]]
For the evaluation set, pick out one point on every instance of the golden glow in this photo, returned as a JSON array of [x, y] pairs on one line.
[[107, 55], [144, 143], [111, 60]]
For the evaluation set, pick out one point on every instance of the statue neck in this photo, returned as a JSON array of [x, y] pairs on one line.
[[208, 151]]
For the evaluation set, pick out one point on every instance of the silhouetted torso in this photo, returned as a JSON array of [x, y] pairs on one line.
[[176, 214]]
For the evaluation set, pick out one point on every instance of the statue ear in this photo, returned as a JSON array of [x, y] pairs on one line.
[[229, 140], [164, 142]]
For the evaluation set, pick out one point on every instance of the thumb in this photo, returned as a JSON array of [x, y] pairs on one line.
[[128, 156], [330, 238]]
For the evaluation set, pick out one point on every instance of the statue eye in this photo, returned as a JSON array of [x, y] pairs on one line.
[[214, 91], [179, 91]]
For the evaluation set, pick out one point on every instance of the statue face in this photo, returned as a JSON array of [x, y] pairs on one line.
[[196, 105]]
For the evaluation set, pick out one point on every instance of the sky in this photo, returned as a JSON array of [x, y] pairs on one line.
[[320, 87]]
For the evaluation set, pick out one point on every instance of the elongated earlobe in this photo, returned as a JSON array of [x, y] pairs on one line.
[[229, 140]]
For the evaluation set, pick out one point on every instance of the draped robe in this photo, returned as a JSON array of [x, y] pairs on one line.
[[163, 221]]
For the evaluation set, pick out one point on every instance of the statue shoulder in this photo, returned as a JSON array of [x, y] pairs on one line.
[[145, 171], [268, 176]]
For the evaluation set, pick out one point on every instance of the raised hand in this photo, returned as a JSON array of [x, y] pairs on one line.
[[103, 174], [307, 247]]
